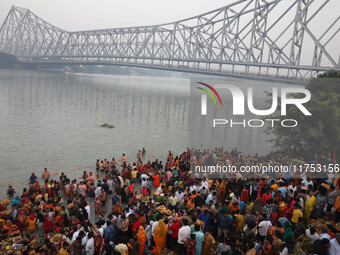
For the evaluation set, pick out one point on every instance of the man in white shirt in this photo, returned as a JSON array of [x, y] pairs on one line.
[[110, 184], [292, 187], [204, 190], [205, 183], [89, 247], [88, 210], [192, 188], [75, 234], [154, 226], [311, 233], [307, 182], [121, 182], [264, 226], [97, 191], [183, 235], [334, 248], [324, 233], [179, 193], [98, 229], [211, 197]]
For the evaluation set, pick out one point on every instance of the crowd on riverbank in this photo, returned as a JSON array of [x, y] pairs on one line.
[[141, 207]]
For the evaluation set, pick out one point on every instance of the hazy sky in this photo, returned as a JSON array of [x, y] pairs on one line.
[[77, 15], [73, 15]]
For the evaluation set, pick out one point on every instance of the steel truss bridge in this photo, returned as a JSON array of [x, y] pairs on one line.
[[254, 38]]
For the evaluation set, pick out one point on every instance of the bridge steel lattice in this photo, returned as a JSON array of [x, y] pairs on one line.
[[266, 38]]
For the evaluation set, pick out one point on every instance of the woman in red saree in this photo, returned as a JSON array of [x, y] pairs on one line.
[[135, 226], [98, 243], [48, 225], [21, 219], [75, 221], [145, 191], [245, 195], [156, 180], [160, 236]]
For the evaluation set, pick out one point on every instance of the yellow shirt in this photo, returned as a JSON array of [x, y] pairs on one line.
[[296, 215], [275, 187], [134, 174], [63, 251]]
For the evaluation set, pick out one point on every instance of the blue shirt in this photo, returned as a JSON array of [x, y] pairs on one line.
[[285, 223], [209, 198], [224, 223], [242, 205], [283, 191], [14, 214], [115, 200], [109, 233], [206, 220]]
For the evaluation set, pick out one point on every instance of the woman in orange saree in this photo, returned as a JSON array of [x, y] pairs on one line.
[[160, 236], [31, 223], [241, 222], [207, 244], [8, 226], [156, 180], [141, 236], [222, 191], [309, 206], [118, 208]]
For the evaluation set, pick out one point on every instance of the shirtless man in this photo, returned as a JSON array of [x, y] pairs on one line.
[[113, 163], [67, 188], [97, 165], [74, 188], [102, 166], [45, 174], [124, 158], [107, 167]]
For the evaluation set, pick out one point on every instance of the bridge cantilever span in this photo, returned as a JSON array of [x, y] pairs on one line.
[[259, 38]]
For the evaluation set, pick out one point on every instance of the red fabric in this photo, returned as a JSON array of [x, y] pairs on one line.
[[135, 226], [289, 213], [175, 228], [275, 217], [48, 225], [265, 197], [266, 250], [131, 188], [245, 195]]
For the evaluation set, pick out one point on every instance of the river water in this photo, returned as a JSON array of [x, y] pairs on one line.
[[51, 119]]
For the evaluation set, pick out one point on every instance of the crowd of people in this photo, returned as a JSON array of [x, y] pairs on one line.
[[149, 207]]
